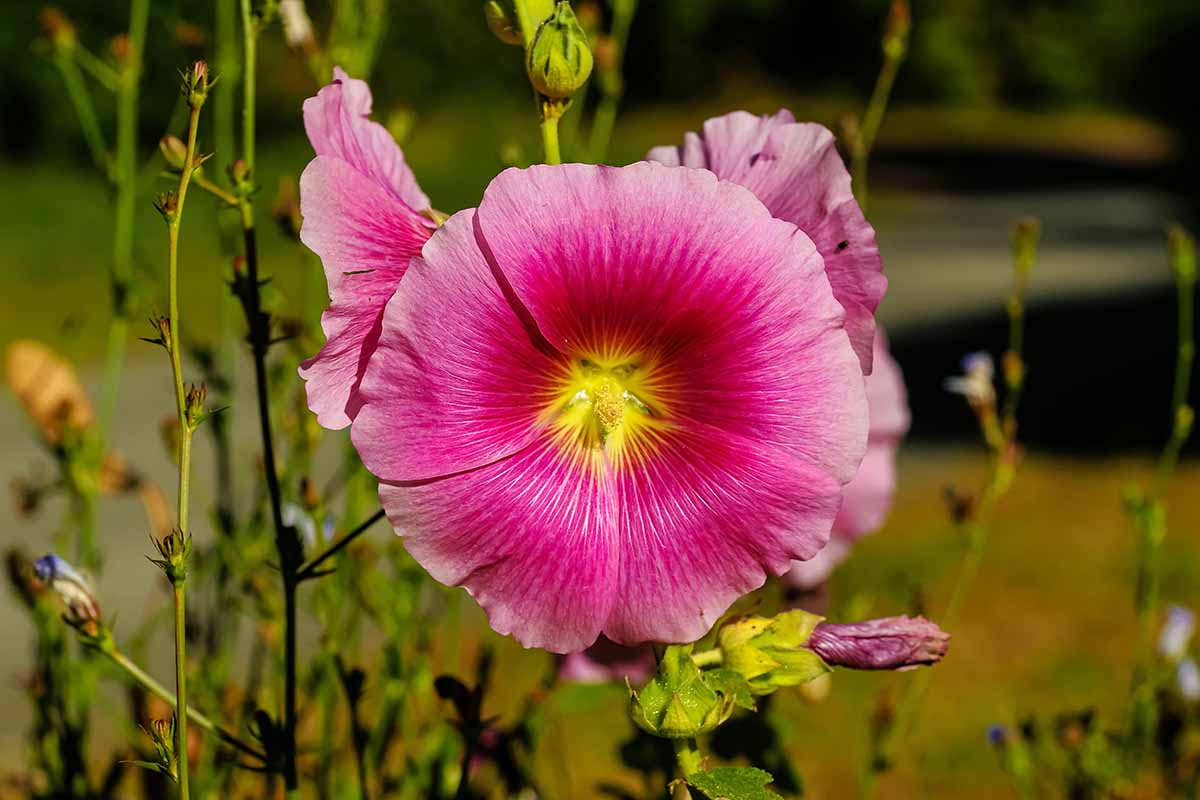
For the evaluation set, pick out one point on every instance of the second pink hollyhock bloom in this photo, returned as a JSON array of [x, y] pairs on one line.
[[363, 216], [867, 500], [795, 170]]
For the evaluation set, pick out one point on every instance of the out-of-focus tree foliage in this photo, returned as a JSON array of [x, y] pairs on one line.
[[1026, 53]]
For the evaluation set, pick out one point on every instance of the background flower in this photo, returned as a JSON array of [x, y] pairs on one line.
[[795, 169], [611, 400], [362, 215], [867, 499]]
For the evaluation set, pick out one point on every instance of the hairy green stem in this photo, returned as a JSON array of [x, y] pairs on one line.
[[687, 756], [143, 679], [185, 441], [550, 138]]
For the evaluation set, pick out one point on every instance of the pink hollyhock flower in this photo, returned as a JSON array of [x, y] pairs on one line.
[[868, 498], [364, 215], [607, 661], [611, 400], [795, 170]]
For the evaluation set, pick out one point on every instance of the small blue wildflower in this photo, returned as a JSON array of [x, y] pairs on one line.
[[997, 734], [1176, 633], [71, 587]]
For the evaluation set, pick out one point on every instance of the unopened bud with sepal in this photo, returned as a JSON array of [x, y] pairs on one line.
[[559, 61]]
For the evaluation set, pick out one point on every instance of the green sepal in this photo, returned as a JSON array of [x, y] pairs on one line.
[[678, 703]]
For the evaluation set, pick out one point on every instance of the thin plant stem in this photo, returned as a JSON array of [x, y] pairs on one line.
[[178, 577], [105, 75], [612, 85], [308, 569], [143, 679], [123, 225], [872, 120], [687, 756], [85, 109], [895, 46], [550, 138]]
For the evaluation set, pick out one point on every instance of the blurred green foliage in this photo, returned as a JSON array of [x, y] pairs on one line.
[[1023, 53]]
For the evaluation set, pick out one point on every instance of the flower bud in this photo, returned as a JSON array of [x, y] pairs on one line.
[[174, 548], [173, 150], [976, 382], [195, 84], [194, 405], [58, 29], [895, 34], [677, 703], [1187, 680], [889, 643], [559, 61], [501, 22], [769, 652]]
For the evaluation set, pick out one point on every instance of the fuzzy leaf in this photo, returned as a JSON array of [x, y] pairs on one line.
[[733, 783]]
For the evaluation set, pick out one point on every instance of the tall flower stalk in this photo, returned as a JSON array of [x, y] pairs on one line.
[[1148, 511], [189, 405]]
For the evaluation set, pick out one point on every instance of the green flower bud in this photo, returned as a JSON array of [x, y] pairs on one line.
[[678, 703], [769, 652], [559, 60], [173, 150]]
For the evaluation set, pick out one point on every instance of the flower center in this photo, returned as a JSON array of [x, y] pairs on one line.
[[606, 403]]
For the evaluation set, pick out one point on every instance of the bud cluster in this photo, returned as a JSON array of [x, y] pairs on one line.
[[174, 549], [196, 85]]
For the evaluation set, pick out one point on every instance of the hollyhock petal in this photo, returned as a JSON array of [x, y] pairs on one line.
[[737, 302], [531, 537], [365, 239], [794, 168], [704, 517], [453, 378], [867, 499], [811, 574], [338, 125]]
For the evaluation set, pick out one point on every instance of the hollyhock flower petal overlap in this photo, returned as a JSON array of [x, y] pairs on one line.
[[867, 499], [611, 400], [362, 215], [795, 169]]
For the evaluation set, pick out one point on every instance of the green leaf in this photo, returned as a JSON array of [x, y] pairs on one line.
[[733, 783]]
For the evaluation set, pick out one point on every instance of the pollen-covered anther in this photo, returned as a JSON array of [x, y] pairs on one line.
[[608, 404]]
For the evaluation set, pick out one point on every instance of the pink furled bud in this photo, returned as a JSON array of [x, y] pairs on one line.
[[889, 643]]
